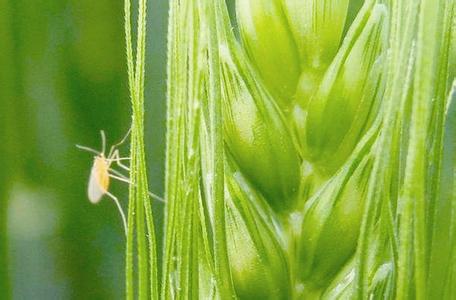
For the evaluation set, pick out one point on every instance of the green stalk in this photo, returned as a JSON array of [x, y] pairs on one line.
[[186, 100], [137, 149], [132, 204], [402, 41], [437, 122], [414, 182], [139, 202], [131, 207], [212, 12], [439, 212], [172, 145], [401, 44], [450, 135], [442, 263]]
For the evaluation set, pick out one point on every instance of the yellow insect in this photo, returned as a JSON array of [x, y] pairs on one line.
[[102, 172]]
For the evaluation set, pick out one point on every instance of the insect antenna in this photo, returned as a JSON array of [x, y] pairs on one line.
[[88, 149], [103, 141]]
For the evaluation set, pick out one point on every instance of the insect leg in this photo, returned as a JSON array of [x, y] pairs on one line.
[[124, 219], [156, 197], [122, 166], [113, 147], [115, 156], [117, 173], [120, 178], [125, 179]]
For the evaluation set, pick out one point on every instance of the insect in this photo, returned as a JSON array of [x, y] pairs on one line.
[[102, 173]]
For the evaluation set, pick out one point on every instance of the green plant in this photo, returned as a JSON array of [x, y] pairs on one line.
[[140, 218], [311, 160]]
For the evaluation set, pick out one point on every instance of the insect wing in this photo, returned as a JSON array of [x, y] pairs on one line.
[[95, 192]]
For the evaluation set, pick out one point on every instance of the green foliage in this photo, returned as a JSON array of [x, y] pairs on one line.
[[353, 81], [257, 259], [268, 40], [308, 160], [256, 133], [331, 221]]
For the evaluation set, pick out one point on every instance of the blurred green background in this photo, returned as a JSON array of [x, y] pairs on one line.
[[63, 79]]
